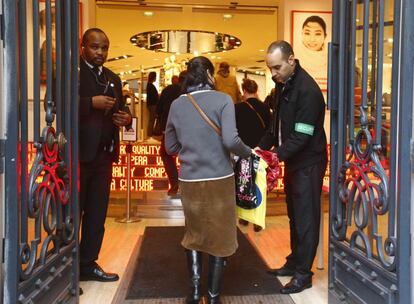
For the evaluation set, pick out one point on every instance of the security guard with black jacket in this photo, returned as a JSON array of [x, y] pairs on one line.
[[102, 112], [298, 137]]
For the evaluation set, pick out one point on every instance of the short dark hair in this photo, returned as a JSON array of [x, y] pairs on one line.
[[182, 76], [152, 76], [316, 19], [283, 46], [197, 69], [249, 85], [90, 31]]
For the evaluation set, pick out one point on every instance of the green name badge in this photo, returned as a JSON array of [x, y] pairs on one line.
[[304, 128]]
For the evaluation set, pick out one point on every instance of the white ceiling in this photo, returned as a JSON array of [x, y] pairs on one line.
[[254, 22]]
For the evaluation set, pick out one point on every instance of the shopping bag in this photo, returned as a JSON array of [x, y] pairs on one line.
[[257, 215], [245, 174]]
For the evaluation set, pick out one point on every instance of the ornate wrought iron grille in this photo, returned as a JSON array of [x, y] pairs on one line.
[[369, 232], [41, 197]]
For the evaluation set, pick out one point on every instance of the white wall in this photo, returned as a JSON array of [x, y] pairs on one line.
[[88, 17]]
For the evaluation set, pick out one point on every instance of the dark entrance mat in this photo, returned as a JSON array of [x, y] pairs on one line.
[[161, 270]]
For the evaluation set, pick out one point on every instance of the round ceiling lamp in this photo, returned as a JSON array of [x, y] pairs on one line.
[[185, 41]]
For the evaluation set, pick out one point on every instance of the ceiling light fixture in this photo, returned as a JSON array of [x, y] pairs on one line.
[[227, 17], [148, 14], [185, 41], [119, 57]]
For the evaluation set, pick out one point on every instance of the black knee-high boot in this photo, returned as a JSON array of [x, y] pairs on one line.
[[194, 266], [215, 271]]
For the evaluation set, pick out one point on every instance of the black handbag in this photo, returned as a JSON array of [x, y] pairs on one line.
[[245, 174]]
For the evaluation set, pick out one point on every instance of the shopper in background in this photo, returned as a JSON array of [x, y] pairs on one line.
[[300, 142], [152, 101], [206, 174], [227, 83], [168, 95], [270, 100], [252, 120], [101, 112]]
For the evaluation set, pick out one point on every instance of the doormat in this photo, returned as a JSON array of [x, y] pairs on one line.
[[161, 270]]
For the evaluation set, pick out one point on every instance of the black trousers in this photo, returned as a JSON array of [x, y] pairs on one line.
[[169, 164], [95, 180], [303, 189]]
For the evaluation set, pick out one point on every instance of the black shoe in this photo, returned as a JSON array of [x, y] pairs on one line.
[[98, 274], [80, 291], [296, 285], [283, 271], [243, 222], [173, 190], [257, 228]]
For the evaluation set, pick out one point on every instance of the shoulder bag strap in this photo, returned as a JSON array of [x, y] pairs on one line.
[[203, 115], [258, 115]]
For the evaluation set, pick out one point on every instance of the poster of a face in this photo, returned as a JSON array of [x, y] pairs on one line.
[[311, 32]]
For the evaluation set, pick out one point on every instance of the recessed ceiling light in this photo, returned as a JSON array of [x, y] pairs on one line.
[[390, 40], [227, 16], [148, 14], [261, 50]]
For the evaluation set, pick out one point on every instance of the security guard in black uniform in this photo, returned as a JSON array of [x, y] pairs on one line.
[[299, 139], [101, 112]]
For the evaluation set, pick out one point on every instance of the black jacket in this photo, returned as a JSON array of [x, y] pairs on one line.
[[91, 121], [168, 95], [152, 95], [301, 110], [248, 123]]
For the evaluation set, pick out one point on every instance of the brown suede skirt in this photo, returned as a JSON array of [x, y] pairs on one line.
[[210, 216]]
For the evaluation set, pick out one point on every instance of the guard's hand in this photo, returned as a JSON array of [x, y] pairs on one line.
[[103, 102], [121, 118]]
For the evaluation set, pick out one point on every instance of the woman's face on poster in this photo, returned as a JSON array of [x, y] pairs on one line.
[[313, 36]]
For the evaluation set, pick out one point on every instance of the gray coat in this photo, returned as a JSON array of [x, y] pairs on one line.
[[203, 154]]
